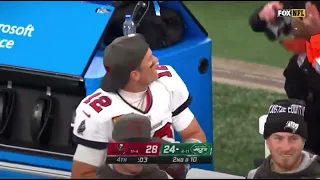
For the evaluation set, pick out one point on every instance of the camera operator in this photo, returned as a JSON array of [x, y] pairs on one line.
[[302, 80], [309, 29]]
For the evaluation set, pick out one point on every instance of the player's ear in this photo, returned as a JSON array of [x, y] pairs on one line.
[[135, 75]]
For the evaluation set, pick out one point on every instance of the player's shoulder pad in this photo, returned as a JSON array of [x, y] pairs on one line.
[[170, 78], [180, 96], [93, 121], [100, 107], [99, 103]]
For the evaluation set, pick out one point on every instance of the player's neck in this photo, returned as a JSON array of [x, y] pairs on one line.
[[135, 88], [131, 94]]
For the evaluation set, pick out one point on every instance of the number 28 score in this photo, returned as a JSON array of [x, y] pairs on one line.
[[153, 149]]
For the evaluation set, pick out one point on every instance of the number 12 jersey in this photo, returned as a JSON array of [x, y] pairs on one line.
[[167, 105]]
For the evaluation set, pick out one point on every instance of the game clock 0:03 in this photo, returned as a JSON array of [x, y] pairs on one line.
[[142, 160]]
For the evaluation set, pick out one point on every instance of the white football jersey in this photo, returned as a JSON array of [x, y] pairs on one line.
[[167, 107]]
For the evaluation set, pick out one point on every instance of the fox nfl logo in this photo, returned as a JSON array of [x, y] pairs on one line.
[[291, 13]]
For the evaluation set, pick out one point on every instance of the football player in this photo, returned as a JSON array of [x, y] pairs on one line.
[[134, 83]]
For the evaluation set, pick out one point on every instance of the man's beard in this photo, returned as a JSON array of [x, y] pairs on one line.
[[288, 164]]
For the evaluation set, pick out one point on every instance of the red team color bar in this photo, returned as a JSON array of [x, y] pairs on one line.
[[134, 149]]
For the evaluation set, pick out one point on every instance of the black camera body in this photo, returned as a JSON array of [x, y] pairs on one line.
[[279, 29]]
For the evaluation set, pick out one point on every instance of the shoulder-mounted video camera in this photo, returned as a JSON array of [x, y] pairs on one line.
[[280, 29]]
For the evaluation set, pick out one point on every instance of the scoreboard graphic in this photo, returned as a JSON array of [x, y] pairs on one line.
[[156, 153]]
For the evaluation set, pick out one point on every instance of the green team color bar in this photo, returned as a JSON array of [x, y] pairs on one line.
[[193, 153], [186, 149]]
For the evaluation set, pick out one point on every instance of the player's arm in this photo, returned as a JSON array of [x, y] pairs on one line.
[[193, 132], [85, 166], [183, 119], [91, 135]]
